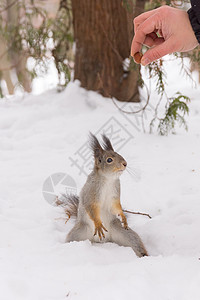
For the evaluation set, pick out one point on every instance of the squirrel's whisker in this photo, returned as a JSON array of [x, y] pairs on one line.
[[134, 173]]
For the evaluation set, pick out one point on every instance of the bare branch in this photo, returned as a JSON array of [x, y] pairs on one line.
[[132, 97], [8, 6], [137, 213]]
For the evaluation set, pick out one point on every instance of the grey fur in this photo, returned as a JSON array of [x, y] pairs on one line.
[[69, 203], [101, 189], [127, 238], [94, 145], [107, 144]]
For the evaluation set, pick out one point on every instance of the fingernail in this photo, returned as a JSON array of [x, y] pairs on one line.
[[145, 61]]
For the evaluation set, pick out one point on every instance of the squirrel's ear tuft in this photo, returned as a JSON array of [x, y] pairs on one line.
[[95, 146], [107, 143]]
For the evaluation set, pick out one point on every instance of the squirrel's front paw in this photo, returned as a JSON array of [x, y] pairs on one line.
[[99, 229], [123, 220]]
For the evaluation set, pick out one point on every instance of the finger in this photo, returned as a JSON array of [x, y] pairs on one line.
[[149, 26], [99, 235], [125, 225], [153, 35], [103, 233], [159, 51], [104, 228], [141, 18], [149, 42]]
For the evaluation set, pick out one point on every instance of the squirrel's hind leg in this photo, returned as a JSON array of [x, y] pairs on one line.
[[127, 238], [80, 232]]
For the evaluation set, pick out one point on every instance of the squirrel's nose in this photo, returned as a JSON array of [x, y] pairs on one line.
[[124, 164]]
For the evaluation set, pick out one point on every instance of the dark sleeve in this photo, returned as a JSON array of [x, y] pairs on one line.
[[194, 16]]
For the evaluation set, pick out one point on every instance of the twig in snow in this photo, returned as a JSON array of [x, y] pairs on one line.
[[137, 213]]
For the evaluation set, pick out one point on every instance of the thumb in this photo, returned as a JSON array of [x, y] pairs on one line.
[[167, 47]]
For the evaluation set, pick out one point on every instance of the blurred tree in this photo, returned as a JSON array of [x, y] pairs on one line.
[[5, 73], [38, 29], [18, 60], [103, 31]]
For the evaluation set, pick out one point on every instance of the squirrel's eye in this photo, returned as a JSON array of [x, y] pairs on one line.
[[109, 160]]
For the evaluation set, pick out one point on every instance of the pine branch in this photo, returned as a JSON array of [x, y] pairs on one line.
[[172, 115]]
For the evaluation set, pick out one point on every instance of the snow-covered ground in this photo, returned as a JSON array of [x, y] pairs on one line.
[[45, 134]]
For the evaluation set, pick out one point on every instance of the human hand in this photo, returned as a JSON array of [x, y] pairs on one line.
[[165, 30]]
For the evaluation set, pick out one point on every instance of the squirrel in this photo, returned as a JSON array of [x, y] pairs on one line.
[[98, 211]]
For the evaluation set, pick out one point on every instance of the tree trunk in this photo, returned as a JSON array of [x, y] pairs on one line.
[[103, 31], [5, 72], [19, 60]]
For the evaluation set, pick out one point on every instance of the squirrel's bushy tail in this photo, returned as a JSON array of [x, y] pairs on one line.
[[69, 203]]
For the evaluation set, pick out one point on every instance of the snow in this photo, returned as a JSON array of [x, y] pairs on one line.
[[40, 136]]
